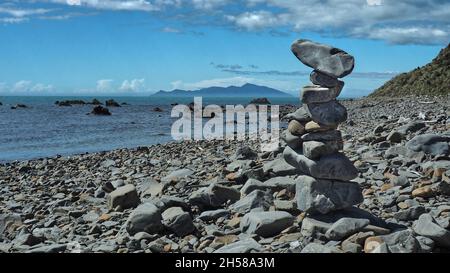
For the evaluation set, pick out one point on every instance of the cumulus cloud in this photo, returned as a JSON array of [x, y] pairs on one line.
[[397, 22], [104, 85], [17, 12], [26, 87], [132, 85]]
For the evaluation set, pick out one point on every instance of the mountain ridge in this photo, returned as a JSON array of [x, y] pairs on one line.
[[430, 79], [246, 90]]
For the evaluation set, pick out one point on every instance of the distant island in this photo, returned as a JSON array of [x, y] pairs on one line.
[[247, 90]]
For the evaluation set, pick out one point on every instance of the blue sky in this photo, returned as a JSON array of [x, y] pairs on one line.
[[137, 47]]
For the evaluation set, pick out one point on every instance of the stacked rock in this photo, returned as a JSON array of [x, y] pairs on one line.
[[313, 141]]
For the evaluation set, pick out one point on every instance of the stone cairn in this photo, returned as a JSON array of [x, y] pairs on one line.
[[312, 138]]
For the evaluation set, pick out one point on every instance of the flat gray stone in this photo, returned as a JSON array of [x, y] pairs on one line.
[[316, 149], [267, 223], [248, 245], [345, 227], [410, 214], [318, 94], [314, 228], [299, 115], [430, 143], [146, 217], [428, 227], [332, 135], [401, 242], [330, 113], [318, 248], [279, 167], [251, 185], [324, 58], [255, 199], [214, 195], [291, 140], [125, 197], [325, 80], [178, 221], [335, 166], [212, 215], [324, 196], [177, 175], [281, 182]]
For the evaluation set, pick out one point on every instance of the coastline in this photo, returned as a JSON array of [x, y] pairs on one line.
[[53, 202]]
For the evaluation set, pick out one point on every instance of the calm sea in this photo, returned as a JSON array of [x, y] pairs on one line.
[[45, 129]]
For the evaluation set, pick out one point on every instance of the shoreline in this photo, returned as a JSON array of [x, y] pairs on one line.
[[53, 203], [351, 103]]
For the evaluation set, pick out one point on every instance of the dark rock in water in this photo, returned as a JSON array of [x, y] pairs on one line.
[[430, 143], [70, 102], [1, 103], [260, 101], [329, 113], [324, 196], [324, 58], [101, 111], [19, 106], [322, 79], [96, 102], [157, 109], [266, 223], [112, 103], [335, 166]]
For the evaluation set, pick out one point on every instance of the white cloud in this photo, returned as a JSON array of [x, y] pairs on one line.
[[414, 21], [132, 85], [16, 12], [234, 81], [42, 88], [209, 4], [406, 35], [258, 19], [136, 5], [104, 85], [24, 86], [399, 22], [171, 30], [13, 20]]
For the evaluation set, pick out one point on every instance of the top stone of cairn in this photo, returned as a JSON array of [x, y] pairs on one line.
[[324, 58]]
